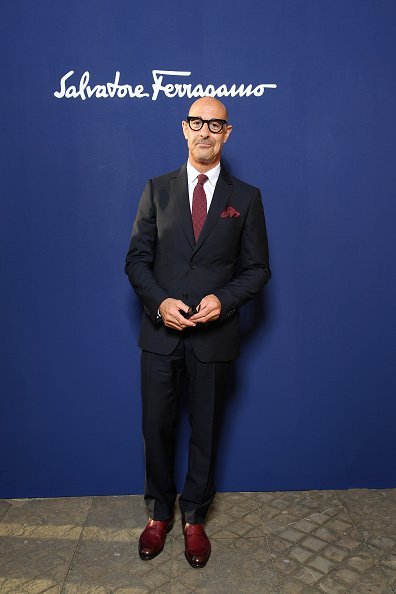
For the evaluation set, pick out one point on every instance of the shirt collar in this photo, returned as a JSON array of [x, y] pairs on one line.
[[213, 174]]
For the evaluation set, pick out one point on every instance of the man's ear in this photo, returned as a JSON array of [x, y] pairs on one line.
[[228, 132], [185, 127]]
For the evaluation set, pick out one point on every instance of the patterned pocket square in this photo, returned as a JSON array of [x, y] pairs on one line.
[[229, 212]]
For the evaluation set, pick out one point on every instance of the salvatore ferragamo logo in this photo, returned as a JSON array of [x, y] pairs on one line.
[[163, 84]]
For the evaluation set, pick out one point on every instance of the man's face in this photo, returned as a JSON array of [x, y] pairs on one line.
[[204, 146]]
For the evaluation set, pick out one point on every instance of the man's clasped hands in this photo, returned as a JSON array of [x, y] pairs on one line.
[[208, 310]]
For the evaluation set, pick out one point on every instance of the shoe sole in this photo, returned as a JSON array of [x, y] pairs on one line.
[[152, 555]]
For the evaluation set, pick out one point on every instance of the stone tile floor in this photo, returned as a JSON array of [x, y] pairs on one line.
[[294, 542]]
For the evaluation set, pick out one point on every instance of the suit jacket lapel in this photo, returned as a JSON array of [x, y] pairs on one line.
[[179, 194], [221, 195]]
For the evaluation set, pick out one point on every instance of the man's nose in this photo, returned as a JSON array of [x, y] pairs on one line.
[[205, 129]]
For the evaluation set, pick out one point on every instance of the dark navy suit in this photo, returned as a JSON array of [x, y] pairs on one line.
[[229, 260]]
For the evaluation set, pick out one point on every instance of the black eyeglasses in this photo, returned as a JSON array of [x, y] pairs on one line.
[[214, 124]]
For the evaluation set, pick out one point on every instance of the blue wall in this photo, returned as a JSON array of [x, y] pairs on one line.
[[314, 404]]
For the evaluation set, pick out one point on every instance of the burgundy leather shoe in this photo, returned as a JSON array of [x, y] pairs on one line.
[[152, 539], [197, 544]]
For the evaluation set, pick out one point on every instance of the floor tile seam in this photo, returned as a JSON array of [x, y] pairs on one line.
[[279, 575], [377, 563], [155, 588], [237, 537], [262, 523], [247, 513], [5, 513], [338, 566], [300, 540], [172, 559], [282, 578], [217, 510], [363, 540], [38, 525], [350, 587], [309, 517], [236, 520], [358, 529], [291, 524], [46, 590], [77, 545], [178, 581], [234, 534], [273, 565], [342, 565], [34, 528], [349, 511], [321, 552], [317, 583], [313, 555], [26, 582], [272, 554], [156, 568], [301, 498]]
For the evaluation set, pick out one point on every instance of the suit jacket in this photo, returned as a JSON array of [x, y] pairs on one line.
[[230, 260]]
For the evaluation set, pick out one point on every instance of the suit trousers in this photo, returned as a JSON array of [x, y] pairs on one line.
[[162, 377]]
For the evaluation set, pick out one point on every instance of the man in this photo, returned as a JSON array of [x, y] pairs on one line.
[[198, 252]]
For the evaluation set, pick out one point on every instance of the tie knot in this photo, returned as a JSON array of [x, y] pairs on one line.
[[202, 178]]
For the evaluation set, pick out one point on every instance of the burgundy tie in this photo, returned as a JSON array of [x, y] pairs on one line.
[[199, 205]]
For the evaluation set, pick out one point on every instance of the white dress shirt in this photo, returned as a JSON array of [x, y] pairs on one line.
[[209, 185]]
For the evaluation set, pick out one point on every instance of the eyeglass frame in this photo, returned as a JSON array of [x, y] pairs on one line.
[[208, 122]]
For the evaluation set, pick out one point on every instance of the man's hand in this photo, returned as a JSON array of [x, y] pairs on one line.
[[209, 310], [171, 316]]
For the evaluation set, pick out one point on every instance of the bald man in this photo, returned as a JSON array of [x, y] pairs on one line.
[[198, 251]]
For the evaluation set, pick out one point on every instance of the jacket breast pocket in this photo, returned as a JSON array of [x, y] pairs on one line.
[[228, 225]]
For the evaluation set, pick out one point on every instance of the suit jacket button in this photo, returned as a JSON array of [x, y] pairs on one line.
[[193, 265]]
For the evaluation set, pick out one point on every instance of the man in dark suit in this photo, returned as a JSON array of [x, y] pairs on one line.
[[198, 252]]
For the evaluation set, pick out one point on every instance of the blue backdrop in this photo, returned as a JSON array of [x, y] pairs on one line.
[[314, 400]]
